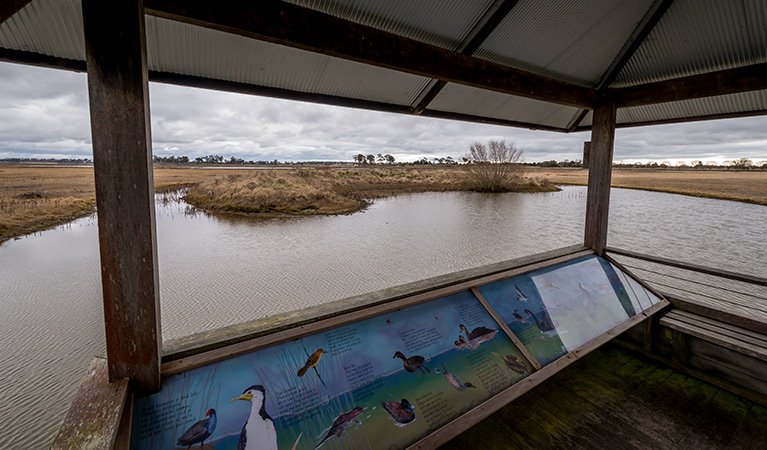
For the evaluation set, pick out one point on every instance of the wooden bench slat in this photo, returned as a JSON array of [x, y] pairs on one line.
[[725, 341], [751, 337]]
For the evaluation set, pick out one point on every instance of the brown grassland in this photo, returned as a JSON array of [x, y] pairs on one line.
[[36, 198]]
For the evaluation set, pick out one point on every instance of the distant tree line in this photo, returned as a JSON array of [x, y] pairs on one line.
[[48, 160], [373, 159]]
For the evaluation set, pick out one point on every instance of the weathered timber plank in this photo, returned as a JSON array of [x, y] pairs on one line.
[[723, 82], [600, 173], [95, 413], [118, 94], [718, 422], [752, 432], [285, 24]]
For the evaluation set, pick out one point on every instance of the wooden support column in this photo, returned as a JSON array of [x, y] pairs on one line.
[[600, 174], [120, 128]]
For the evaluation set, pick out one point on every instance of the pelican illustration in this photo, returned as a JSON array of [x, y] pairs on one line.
[[258, 432]]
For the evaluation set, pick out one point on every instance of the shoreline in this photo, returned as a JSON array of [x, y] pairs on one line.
[[51, 196]]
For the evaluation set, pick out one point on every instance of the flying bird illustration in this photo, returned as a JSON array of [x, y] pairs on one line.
[[589, 302], [520, 296], [312, 362], [258, 433], [341, 423], [199, 431], [453, 380], [402, 412], [546, 283]]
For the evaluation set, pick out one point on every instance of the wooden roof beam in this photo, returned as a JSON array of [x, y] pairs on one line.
[[653, 16], [302, 28], [723, 82], [10, 7], [482, 29]]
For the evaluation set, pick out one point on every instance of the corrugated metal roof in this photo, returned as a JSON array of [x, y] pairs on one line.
[[563, 39], [723, 104], [48, 27], [571, 41], [484, 103], [698, 36], [190, 50], [443, 23]]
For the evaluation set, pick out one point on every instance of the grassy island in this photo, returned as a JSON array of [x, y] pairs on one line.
[[331, 191]]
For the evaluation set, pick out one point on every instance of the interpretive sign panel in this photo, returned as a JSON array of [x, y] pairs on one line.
[[383, 382], [389, 380]]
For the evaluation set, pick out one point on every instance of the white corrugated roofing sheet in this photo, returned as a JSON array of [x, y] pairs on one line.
[[443, 23], [570, 41], [483, 103], [698, 36], [563, 39], [708, 106]]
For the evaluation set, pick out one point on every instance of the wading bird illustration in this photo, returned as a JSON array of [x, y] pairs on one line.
[[513, 363], [341, 423], [258, 433], [402, 412], [520, 296], [453, 380], [413, 363], [199, 431], [312, 361]]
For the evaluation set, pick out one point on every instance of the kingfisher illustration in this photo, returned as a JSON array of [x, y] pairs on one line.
[[312, 361]]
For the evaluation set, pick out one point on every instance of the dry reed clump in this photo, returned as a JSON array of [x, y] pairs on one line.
[[26, 214], [275, 192]]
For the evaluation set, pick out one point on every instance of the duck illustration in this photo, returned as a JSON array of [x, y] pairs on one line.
[[258, 432], [519, 317], [475, 333], [402, 412], [460, 343], [341, 423], [312, 362], [453, 380], [388, 322], [520, 296], [589, 302], [412, 363], [199, 431], [545, 324], [513, 363]]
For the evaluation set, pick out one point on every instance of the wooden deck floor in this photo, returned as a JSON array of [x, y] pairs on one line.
[[613, 399]]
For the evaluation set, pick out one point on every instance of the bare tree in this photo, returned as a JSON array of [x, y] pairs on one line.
[[495, 167]]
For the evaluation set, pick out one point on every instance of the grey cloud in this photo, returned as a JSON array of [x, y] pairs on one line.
[[45, 113]]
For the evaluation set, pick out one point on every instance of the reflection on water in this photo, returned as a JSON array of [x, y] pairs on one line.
[[221, 270]]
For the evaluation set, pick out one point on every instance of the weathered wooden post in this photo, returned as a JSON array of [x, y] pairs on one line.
[[600, 172], [122, 157]]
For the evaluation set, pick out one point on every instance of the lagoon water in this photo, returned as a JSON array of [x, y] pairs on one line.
[[222, 270]]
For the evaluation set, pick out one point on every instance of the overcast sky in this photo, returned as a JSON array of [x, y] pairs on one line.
[[44, 114]]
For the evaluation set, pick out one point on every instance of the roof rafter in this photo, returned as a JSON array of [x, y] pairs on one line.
[[482, 29], [723, 82], [735, 115], [653, 16], [11, 7], [286, 24]]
